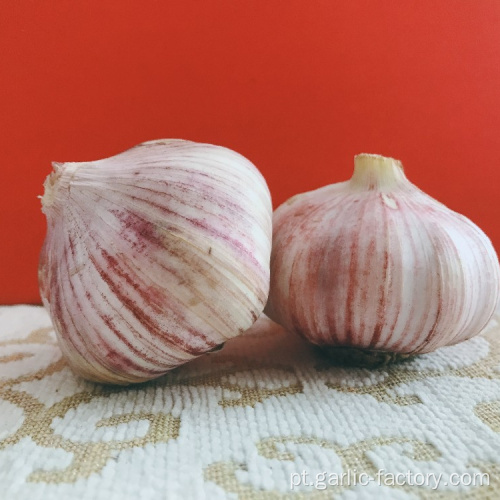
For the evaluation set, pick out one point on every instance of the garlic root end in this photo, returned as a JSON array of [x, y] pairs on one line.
[[362, 358]]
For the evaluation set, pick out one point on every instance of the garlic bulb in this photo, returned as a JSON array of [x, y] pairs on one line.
[[153, 257], [376, 264]]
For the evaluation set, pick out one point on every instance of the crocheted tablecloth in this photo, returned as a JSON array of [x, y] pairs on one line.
[[267, 417]]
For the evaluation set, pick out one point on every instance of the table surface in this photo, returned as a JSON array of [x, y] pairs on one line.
[[251, 421]]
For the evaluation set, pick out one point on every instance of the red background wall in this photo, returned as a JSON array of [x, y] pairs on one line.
[[298, 87]]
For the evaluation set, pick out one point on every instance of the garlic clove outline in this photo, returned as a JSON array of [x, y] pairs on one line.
[[153, 256], [376, 264]]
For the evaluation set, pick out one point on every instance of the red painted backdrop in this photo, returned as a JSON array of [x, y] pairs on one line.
[[298, 87]]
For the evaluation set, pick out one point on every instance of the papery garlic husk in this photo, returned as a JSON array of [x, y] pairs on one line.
[[153, 256], [377, 265]]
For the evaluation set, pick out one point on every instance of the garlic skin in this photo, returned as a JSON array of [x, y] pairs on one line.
[[376, 264], [153, 256]]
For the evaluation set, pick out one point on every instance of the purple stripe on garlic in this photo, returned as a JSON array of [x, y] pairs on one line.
[[153, 256], [376, 264]]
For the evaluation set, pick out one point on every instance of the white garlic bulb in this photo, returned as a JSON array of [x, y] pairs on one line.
[[153, 256], [376, 264]]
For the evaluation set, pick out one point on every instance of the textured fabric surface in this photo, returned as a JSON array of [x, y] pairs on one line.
[[246, 422]]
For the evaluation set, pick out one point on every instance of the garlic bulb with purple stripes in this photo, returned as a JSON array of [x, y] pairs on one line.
[[378, 266], [153, 256]]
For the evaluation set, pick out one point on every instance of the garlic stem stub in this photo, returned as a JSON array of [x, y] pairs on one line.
[[153, 256], [376, 264]]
